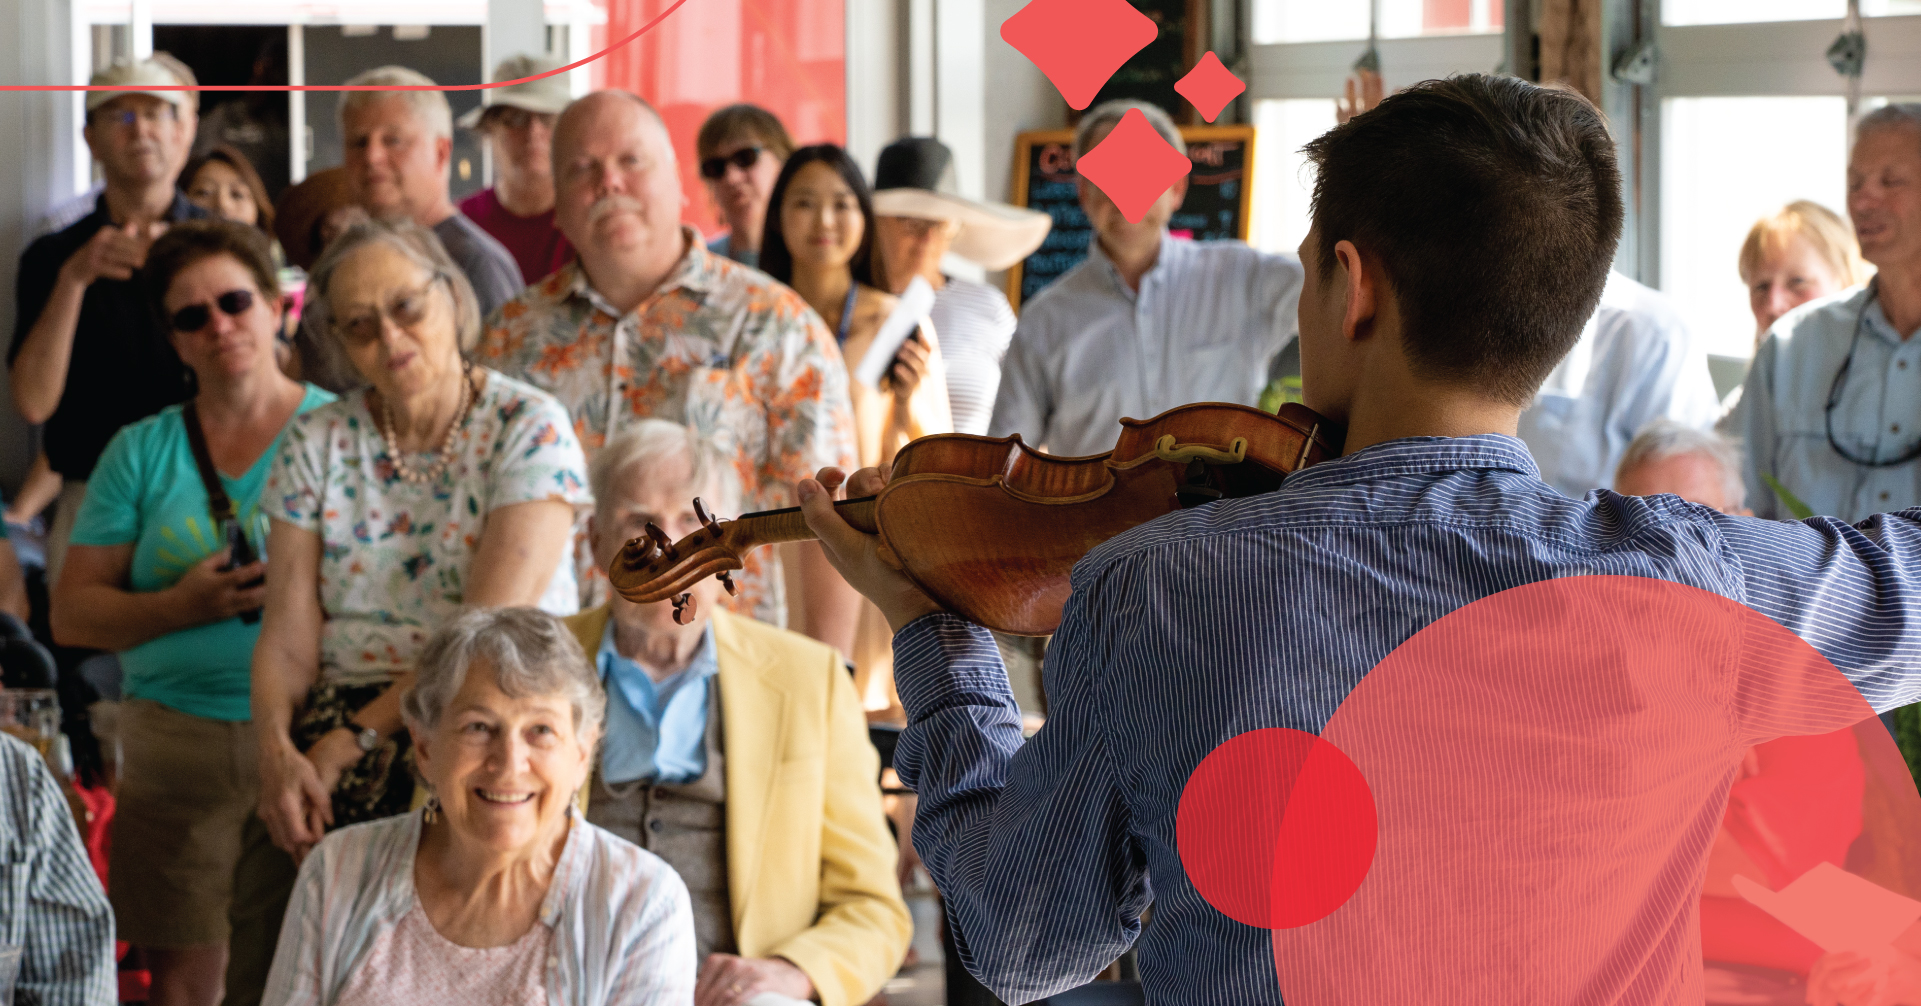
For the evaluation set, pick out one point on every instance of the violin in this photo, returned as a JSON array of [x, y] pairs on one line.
[[990, 528]]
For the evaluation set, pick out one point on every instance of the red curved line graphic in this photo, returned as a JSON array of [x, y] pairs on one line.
[[642, 30]]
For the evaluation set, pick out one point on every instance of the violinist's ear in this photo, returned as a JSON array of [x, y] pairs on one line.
[[1363, 283]]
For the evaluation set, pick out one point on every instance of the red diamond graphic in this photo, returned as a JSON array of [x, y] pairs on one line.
[[1133, 165], [1210, 86], [1078, 44]]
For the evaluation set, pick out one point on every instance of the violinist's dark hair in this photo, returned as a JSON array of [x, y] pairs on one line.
[[1492, 206], [775, 258]]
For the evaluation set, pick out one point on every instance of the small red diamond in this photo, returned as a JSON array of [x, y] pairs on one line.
[[1078, 44], [1210, 86], [1133, 165]]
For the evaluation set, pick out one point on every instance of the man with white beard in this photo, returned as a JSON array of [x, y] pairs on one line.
[[649, 323]]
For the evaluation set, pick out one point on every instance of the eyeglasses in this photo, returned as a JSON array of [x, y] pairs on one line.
[[1840, 383], [508, 117], [716, 167], [158, 113], [407, 309], [194, 317]]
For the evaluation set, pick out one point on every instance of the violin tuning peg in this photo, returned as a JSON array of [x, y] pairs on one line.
[[660, 538], [726, 581], [684, 609], [706, 519]]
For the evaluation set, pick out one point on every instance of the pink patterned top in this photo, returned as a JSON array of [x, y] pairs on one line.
[[413, 964]]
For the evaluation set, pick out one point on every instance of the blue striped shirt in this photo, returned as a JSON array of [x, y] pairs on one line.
[[51, 904], [1265, 612]]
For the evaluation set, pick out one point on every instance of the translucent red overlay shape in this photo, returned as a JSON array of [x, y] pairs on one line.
[[1550, 766], [1210, 86], [1276, 828], [1078, 44], [1133, 165], [638, 32]]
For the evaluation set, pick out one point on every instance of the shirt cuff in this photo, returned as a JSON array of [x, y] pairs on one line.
[[943, 659]]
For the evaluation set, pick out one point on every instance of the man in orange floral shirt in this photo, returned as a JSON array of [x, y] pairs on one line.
[[648, 323]]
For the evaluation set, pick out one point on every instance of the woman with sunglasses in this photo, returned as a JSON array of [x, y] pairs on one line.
[[820, 241], [167, 572], [741, 150], [437, 486]]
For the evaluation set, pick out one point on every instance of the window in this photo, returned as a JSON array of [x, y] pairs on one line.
[[1725, 165], [1281, 21], [1283, 182], [1687, 12]]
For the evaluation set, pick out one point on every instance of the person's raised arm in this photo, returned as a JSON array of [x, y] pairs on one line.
[[39, 369], [1027, 843], [286, 663]]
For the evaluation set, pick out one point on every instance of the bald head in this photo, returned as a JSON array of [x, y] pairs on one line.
[[617, 192]]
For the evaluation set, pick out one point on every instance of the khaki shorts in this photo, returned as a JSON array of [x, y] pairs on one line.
[[187, 787]]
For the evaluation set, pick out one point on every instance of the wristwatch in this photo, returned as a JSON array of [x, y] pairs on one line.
[[366, 737]]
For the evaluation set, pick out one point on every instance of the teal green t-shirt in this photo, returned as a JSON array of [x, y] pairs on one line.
[[146, 491]]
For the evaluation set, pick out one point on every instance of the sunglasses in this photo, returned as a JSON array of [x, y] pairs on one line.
[[716, 167], [193, 318], [407, 309]]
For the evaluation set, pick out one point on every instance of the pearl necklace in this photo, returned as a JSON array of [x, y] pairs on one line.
[[442, 457]]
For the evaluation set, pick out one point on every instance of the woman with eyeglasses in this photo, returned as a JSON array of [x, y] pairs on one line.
[[741, 150], [820, 241], [437, 486], [164, 567]]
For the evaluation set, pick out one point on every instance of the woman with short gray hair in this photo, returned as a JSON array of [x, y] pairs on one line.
[[436, 486], [496, 891]]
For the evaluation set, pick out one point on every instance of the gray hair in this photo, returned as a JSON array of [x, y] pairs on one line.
[[430, 107], [651, 441], [531, 654], [419, 246], [1108, 114], [1665, 438]]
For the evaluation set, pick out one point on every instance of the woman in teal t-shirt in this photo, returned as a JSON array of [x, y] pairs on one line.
[[148, 576]]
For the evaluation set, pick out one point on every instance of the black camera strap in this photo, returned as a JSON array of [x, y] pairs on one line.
[[217, 502]]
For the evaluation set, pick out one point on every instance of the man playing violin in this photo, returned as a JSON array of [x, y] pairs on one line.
[[1462, 236]]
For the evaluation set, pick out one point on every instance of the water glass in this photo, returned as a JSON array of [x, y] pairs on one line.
[[33, 715]]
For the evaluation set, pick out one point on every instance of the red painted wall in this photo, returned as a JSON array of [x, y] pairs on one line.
[[788, 56]]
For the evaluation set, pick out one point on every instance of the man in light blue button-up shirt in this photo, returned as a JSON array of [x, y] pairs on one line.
[[1148, 322], [1845, 444], [656, 727]]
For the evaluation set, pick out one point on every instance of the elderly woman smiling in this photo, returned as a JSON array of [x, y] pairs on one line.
[[496, 891]]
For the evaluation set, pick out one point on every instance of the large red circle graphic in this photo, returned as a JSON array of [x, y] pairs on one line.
[[1276, 828]]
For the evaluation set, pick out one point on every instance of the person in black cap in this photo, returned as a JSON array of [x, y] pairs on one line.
[[919, 219]]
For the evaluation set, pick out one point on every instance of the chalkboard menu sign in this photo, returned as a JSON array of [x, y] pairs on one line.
[[1149, 75], [1216, 206]]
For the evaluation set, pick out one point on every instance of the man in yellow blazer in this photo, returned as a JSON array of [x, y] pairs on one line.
[[738, 753]]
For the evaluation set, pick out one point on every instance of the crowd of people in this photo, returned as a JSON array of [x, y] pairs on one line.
[[384, 732]]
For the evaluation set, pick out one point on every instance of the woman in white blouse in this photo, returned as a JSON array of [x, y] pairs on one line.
[[497, 892]]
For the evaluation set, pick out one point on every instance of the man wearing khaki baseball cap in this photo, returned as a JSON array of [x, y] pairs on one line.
[[87, 356], [518, 122]]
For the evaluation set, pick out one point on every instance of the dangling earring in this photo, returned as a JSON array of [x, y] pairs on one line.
[[430, 812]]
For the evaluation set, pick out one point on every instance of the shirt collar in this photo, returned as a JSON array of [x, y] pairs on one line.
[[698, 271], [1875, 320], [1419, 456], [611, 664], [1169, 257]]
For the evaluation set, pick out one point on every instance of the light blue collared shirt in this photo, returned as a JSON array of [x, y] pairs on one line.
[[656, 731], [1783, 411], [1635, 362]]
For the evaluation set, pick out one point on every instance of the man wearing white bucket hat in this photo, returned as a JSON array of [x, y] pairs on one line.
[[919, 218], [518, 122], [87, 355]]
